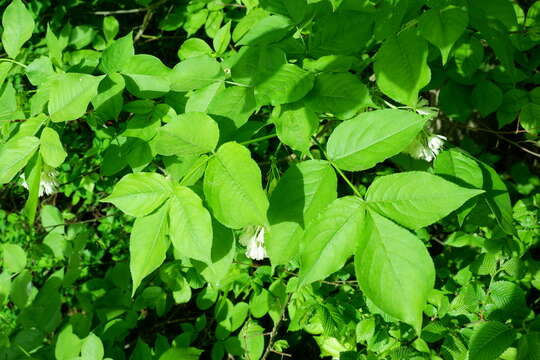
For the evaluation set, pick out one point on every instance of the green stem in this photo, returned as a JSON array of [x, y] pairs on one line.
[[13, 62], [266, 137], [349, 183]]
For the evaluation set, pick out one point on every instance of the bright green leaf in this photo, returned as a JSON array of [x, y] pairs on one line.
[[302, 192], [489, 340], [117, 55], [372, 137], [233, 187], [14, 258], [401, 68], [148, 244], [140, 193], [442, 27], [295, 125], [394, 269], [190, 225], [70, 94], [191, 133], [416, 199], [51, 148], [18, 25], [14, 155], [195, 73], [330, 239]]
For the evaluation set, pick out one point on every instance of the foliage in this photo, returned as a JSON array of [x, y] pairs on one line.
[[261, 179]]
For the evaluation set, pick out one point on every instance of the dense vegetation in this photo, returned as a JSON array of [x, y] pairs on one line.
[[269, 179]]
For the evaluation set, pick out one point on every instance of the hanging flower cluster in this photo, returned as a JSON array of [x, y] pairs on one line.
[[48, 183], [255, 245], [426, 146]]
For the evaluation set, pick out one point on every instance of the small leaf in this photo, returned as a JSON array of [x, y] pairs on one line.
[[295, 125], [18, 25], [529, 118], [486, 97], [148, 244], [51, 148], [288, 84], [14, 258], [118, 54], [190, 225], [330, 239], [267, 30], [303, 191], [92, 348], [140, 193], [192, 133], [340, 94], [222, 38], [394, 269], [401, 67], [14, 155], [70, 94], [233, 188], [490, 340], [372, 137], [442, 27], [110, 27], [416, 199], [146, 76], [195, 72]]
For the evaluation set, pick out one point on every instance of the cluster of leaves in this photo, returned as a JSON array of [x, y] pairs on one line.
[[300, 122]]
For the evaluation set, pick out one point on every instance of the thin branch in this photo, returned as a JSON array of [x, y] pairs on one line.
[[119, 12], [274, 331]]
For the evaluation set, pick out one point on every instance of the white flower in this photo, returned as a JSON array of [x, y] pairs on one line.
[[255, 245], [47, 181], [426, 146]]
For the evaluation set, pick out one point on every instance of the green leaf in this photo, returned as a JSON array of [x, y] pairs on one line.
[[372, 137], [497, 198], [190, 225], [14, 155], [442, 27], [70, 94], [222, 38], [39, 70], [295, 125], [148, 244], [92, 348], [486, 97], [233, 188], [416, 199], [288, 84], [109, 101], [268, 30], [529, 346], [8, 103], [401, 67], [117, 55], [33, 173], [529, 118], [51, 148], [456, 166], [195, 73], [181, 354], [110, 27], [146, 76], [489, 340], [302, 192], [233, 107], [68, 345], [293, 9], [340, 94], [330, 239], [192, 133], [14, 258], [341, 32], [193, 47], [252, 340], [394, 269], [140, 193], [18, 25]]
